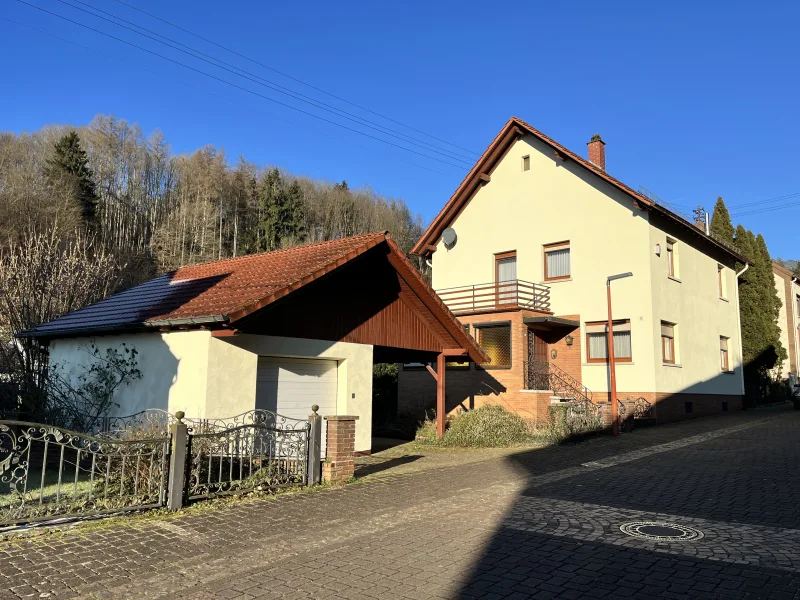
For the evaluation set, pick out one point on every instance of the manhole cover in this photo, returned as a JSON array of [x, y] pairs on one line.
[[651, 530]]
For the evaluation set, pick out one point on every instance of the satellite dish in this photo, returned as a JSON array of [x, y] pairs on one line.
[[449, 236]]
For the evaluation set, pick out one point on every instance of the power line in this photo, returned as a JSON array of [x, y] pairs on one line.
[[249, 91], [252, 60], [766, 209], [767, 201], [172, 80], [261, 81]]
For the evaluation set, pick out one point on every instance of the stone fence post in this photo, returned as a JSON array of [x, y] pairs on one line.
[[177, 463], [340, 449], [314, 446]]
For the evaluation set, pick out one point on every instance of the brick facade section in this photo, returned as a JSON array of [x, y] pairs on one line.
[[340, 444], [476, 387]]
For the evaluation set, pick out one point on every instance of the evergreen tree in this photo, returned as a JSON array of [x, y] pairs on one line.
[[721, 227], [271, 201], [71, 165], [759, 306], [293, 225]]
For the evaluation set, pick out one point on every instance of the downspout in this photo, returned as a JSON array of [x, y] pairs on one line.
[[739, 323]]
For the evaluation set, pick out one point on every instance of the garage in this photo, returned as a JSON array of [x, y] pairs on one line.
[[289, 386]]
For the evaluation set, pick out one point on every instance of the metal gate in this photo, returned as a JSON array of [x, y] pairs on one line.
[[257, 450], [47, 472]]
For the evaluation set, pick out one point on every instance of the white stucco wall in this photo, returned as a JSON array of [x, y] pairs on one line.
[[173, 367], [691, 301], [553, 202], [558, 201], [784, 320], [233, 362], [216, 377]]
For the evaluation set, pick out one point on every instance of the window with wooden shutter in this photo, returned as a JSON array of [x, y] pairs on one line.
[[668, 343], [557, 261], [597, 341]]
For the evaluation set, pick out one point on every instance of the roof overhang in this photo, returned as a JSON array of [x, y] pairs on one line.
[[552, 322]]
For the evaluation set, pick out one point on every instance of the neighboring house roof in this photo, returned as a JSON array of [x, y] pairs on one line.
[[781, 270], [480, 174], [219, 293]]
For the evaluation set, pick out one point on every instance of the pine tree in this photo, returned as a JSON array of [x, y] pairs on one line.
[[721, 227], [293, 225], [70, 163]]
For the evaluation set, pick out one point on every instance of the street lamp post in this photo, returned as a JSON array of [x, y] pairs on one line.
[[612, 364]]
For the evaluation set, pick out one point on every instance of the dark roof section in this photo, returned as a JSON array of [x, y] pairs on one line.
[[220, 293], [480, 174], [557, 321]]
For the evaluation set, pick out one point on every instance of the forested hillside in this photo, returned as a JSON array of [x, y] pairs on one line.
[[155, 210], [88, 211]]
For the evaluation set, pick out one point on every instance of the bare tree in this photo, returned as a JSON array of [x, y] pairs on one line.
[[42, 277]]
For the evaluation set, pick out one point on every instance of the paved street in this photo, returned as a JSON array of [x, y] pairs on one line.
[[540, 523]]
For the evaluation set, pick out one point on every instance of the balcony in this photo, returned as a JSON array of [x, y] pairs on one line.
[[494, 297]]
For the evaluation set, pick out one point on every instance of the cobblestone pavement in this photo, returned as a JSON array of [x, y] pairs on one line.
[[538, 523]]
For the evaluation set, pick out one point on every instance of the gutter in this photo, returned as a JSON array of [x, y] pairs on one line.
[[739, 323], [122, 327]]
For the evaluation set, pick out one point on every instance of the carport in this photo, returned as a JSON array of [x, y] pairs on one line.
[[279, 330]]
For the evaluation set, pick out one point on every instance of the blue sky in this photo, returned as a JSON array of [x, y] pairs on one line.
[[694, 100]]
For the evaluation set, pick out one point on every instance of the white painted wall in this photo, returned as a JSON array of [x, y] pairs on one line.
[[692, 301], [552, 202], [173, 367], [216, 377], [234, 361], [557, 201]]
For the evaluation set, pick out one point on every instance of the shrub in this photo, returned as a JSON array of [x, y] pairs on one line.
[[426, 432], [490, 426]]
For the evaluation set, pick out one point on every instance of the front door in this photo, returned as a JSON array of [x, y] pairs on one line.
[[538, 378]]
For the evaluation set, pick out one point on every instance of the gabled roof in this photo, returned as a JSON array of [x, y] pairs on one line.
[[781, 270], [480, 174], [220, 293]]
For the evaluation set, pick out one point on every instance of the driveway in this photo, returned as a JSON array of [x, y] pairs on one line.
[[541, 523]]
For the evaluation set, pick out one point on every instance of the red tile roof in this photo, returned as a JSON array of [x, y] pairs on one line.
[[223, 291], [513, 130]]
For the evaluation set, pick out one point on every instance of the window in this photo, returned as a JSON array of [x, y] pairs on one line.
[[496, 342], [526, 163], [556, 261], [671, 258], [597, 341], [505, 276], [721, 282], [462, 365], [724, 363], [668, 343]]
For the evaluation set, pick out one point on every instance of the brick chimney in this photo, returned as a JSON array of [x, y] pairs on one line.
[[597, 151]]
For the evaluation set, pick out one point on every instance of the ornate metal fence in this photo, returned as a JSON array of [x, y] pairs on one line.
[[257, 450], [584, 416], [47, 472]]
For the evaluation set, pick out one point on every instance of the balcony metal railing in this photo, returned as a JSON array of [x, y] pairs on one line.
[[489, 297]]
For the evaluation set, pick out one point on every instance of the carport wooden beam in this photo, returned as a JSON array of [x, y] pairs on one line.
[[439, 376]]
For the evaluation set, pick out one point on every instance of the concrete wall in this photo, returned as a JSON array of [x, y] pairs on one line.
[[785, 320], [173, 367], [216, 377]]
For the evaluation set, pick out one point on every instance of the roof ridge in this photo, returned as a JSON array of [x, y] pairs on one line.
[[278, 251]]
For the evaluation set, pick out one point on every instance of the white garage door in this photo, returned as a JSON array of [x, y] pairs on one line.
[[289, 386]]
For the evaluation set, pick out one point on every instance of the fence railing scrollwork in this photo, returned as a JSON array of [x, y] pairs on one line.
[[48, 472], [245, 457]]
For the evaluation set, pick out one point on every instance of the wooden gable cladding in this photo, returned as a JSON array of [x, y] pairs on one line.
[[367, 301]]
